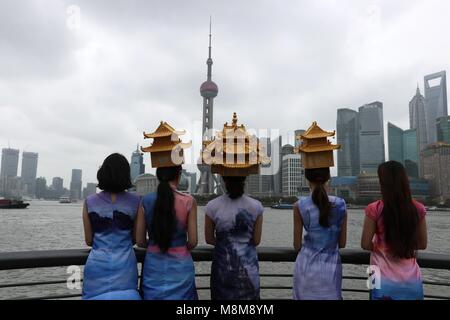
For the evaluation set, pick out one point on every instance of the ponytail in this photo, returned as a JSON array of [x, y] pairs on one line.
[[163, 223], [320, 199], [319, 195]]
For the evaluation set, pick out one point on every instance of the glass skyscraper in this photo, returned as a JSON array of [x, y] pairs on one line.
[[347, 131], [403, 148], [371, 137], [417, 118], [29, 171], [435, 102], [10, 162], [443, 129], [137, 166]]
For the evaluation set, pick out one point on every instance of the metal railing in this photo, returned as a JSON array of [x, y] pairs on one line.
[[61, 258]]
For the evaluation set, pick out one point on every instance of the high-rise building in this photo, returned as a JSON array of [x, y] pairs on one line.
[[137, 166], [418, 118], [91, 188], [191, 179], [293, 175], [436, 169], [10, 162], [298, 139], [57, 187], [276, 165], [29, 171], [435, 101], [76, 184], [41, 188], [262, 184], [371, 137], [443, 129], [347, 131], [403, 148]]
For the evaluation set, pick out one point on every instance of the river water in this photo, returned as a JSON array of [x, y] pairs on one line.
[[49, 225]]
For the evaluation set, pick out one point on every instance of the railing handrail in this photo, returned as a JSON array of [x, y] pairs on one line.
[[67, 257]]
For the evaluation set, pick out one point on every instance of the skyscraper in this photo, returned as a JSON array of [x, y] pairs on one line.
[[29, 171], [403, 148], [276, 164], [435, 101], [443, 129], [347, 131], [10, 162], [76, 184], [298, 139], [208, 90], [137, 166], [418, 119], [91, 188], [41, 188], [371, 137], [57, 187], [293, 175]]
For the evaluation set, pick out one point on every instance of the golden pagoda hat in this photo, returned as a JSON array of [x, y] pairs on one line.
[[167, 148], [316, 150], [234, 152]]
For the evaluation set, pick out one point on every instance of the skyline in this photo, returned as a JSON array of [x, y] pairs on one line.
[[80, 85]]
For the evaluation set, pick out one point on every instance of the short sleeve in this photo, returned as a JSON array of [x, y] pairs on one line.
[[420, 209], [260, 209], [372, 211], [209, 210]]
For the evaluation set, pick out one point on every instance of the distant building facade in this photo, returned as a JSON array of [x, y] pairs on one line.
[[293, 175], [368, 187], [10, 162], [443, 129], [276, 164], [146, 183], [91, 188], [436, 166], [137, 166], [347, 132], [435, 101], [29, 171], [344, 187], [418, 119], [41, 188], [191, 178], [403, 148], [76, 184], [371, 137]]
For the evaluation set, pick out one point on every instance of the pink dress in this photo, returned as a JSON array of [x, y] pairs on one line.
[[398, 279]]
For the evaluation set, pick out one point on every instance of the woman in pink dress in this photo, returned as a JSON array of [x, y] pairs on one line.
[[394, 229]]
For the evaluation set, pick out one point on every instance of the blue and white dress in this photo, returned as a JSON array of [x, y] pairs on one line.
[[235, 268], [318, 268], [111, 269], [169, 275]]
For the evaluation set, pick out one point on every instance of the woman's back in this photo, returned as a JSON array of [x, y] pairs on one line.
[[394, 271], [318, 237], [111, 265]]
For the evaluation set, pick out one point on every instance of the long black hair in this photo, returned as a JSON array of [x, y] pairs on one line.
[[114, 174], [163, 223], [235, 186], [319, 195], [400, 216]]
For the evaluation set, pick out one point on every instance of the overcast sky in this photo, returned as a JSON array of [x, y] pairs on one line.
[[77, 88]]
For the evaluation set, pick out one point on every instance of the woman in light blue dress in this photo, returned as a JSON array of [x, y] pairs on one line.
[[318, 268], [108, 217]]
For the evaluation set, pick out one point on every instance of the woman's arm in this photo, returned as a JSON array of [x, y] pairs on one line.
[[298, 228], [87, 227], [422, 237], [257, 231], [140, 229], [343, 235], [192, 228], [209, 231], [369, 229]]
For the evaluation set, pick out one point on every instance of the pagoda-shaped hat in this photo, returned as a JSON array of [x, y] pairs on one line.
[[167, 148], [316, 150], [234, 152]]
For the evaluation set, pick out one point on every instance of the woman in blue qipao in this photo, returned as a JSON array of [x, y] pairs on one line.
[[108, 217], [169, 217]]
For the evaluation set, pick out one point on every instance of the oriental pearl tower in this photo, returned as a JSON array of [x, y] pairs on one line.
[[208, 90]]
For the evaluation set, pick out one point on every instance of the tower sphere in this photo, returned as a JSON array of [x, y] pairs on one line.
[[209, 89]]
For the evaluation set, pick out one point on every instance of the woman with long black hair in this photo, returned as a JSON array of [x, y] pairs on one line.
[[394, 229], [169, 218]]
